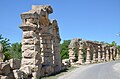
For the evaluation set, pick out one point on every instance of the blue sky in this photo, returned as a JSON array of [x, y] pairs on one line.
[[88, 19]]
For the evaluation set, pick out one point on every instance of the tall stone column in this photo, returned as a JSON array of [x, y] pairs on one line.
[[88, 60], [105, 49], [71, 55], [91, 53], [107, 54], [99, 54], [73, 50], [47, 55], [94, 56], [46, 50], [103, 53], [57, 59], [111, 53], [114, 53], [96, 52], [117, 55], [31, 58], [56, 46], [80, 55]]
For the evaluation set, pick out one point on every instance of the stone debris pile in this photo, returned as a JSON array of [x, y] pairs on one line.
[[7, 68]]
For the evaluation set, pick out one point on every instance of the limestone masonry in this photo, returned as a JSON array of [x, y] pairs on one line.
[[40, 43], [94, 52]]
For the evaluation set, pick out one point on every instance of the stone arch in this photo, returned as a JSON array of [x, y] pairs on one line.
[[73, 50]]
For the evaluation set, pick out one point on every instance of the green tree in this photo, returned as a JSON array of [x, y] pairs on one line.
[[64, 49], [10, 50], [15, 50], [119, 50], [114, 43], [6, 45]]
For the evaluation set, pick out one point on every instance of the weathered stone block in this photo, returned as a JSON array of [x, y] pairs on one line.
[[43, 45], [30, 62], [37, 48], [34, 74], [48, 54], [26, 69], [31, 71], [31, 54], [4, 77], [48, 60], [49, 46], [2, 57], [28, 41], [11, 75], [28, 34], [63, 67], [4, 68], [28, 47], [47, 70], [49, 41], [15, 63], [1, 48], [18, 74], [66, 62]]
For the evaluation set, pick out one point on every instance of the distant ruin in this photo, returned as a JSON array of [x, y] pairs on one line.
[[94, 52]]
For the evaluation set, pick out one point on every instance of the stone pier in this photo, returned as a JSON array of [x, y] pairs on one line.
[[103, 53], [107, 54], [56, 46], [31, 58], [117, 55], [80, 55], [71, 55], [94, 56], [72, 47], [99, 54], [88, 56], [111, 54]]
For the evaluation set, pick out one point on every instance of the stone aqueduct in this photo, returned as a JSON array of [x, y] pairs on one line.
[[41, 48], [40, 43], [95, 52]]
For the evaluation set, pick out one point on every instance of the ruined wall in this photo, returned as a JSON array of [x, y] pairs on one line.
[[94, 52], [40, 43]]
